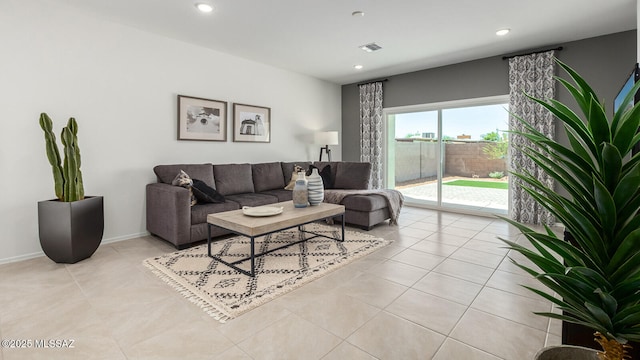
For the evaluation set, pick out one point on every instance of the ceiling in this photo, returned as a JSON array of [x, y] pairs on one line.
[[321, 38]]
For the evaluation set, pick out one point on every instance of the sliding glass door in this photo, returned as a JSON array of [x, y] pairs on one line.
[[450, 155]]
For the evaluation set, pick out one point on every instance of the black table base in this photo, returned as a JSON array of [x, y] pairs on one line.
[[253, 255]]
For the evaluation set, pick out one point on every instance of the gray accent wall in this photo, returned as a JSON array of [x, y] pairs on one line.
[[604, 61]]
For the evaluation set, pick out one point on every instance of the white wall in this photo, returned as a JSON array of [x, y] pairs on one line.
[[121, 85]]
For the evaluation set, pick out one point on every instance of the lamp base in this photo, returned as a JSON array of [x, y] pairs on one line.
[[327, 150]]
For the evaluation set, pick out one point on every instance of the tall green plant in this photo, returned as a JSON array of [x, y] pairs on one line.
[[597, 277], [67, 176]]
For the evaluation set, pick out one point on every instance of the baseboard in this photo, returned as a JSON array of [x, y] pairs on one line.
[[34, 255], [470, 210], [21, 258], [124, 237]]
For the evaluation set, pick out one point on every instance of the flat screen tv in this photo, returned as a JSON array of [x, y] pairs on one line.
[[626, 88]]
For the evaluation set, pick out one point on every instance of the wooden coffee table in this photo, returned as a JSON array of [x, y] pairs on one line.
[[252, 227]]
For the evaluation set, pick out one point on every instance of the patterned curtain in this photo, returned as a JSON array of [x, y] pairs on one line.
[[371, 130], [532, 75]]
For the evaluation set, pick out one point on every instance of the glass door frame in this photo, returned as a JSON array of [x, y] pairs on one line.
[[389, 137]]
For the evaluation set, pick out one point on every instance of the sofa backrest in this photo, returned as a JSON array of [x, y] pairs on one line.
[[348, 175], [287, 169], [321, 165], [233, 179], [352, 175], [267, 176], [166, 173]]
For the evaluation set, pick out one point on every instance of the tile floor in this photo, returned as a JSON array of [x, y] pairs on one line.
[[443, 289]]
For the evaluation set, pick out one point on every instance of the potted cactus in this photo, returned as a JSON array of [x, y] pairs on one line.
[[70, 226], [594, 278]]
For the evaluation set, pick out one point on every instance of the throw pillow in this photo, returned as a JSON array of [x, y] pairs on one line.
[[206, 194], [183, 180], [325, 174], [294, 177]]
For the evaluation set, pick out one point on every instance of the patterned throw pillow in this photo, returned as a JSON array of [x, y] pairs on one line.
[[294, 177], [183, 180]]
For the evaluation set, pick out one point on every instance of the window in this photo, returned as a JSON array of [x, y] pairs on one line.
[[451, 155]]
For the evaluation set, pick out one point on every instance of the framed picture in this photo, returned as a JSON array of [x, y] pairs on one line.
[[201, 119], [251, 123]]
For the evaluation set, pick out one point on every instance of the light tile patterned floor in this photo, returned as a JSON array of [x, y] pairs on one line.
[[443, 290]]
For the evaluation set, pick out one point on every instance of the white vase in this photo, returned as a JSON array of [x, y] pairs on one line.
[[315, 188], [300, 192]]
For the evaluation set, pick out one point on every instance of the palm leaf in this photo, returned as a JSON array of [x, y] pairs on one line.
[[598, 124], [627, 127], [620, 115], [597, 278]]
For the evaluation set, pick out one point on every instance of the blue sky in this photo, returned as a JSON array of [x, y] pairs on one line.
[[475, 121]]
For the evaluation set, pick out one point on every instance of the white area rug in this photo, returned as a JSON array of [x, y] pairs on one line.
[[224, 293]]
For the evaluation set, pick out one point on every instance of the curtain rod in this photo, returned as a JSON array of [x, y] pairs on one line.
[[371, 82], [531, 53]]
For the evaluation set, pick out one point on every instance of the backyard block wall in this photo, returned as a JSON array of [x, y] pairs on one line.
[[415, 160], [468, 159], [418, 160]]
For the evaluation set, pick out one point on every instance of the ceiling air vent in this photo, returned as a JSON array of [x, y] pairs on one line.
[[370, 47]]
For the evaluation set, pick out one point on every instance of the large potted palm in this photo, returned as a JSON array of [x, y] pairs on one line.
[[596, 277], [70, 226]]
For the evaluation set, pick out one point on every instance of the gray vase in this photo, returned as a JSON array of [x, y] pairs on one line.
[[71, 231], [300, 192], [566, 352]]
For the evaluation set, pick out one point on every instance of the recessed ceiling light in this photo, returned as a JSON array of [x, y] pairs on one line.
[[205, 8], [357, 13], [358, 67], [502, 32]]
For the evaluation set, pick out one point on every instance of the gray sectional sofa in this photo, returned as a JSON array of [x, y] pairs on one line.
[[171, 217]]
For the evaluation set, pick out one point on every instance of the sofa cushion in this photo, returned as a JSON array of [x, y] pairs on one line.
[[233, 179], [288, 169], [205, 193], [364, 203], [166, 173], [267, 176], [199, 212], [352, 175], [281, 194], [253, 199]]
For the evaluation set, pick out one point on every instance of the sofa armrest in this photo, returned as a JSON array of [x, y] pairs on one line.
[[169, 212]]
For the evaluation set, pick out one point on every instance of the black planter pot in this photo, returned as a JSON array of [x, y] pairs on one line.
[[579, 335], [566, 352], [71, 231]]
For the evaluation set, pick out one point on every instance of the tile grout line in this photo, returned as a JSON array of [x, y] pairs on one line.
[[471, 303], [86, 296]]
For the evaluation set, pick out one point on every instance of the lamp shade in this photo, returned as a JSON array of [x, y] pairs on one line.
[[326, 138]]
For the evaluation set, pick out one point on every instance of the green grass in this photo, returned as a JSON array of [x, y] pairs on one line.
[[479, 183]]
